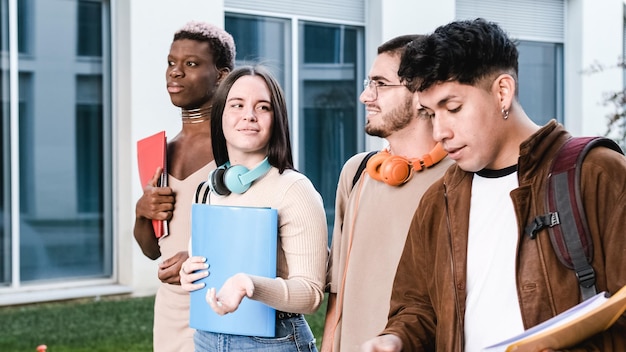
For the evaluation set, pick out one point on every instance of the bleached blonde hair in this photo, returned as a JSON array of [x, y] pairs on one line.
[[221, 42]]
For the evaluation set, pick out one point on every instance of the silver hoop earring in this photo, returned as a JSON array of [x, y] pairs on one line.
[[505, 113]]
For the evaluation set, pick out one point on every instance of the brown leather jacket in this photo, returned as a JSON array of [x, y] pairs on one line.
[[428, 298]]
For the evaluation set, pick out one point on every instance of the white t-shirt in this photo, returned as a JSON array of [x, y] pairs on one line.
[[492, 307]]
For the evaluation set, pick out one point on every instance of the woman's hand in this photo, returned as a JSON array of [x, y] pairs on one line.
[[193, 269], [231, 294]]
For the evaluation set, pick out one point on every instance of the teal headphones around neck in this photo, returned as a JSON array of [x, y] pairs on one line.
[[236, 178]]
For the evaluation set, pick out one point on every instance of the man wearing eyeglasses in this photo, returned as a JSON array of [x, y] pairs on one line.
[[372, 215]]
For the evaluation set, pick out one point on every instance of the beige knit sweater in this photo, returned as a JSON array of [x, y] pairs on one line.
[[302, 239]]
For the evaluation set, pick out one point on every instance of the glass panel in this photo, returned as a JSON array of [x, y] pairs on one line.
[[349, 54], [89, 137], [265, 40], [24, 26], [539, 74], [89, 28], [329, 104], [329, 72], [61, 146], [322, 44], [329, 132], [5, 186]]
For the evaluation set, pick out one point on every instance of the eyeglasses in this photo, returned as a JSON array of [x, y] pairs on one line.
[[375, 85]]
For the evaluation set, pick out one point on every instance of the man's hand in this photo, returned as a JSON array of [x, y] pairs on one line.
[[169, 269], [383, 343]]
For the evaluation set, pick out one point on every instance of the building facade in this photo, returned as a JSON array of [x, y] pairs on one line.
[[83, 80]]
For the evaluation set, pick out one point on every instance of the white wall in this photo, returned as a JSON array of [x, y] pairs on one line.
[[144, 31], [594, 31]]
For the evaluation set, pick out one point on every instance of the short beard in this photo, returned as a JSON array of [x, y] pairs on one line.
[[395, 120]]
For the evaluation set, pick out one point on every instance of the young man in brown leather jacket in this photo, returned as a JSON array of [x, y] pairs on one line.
[[469, 277]]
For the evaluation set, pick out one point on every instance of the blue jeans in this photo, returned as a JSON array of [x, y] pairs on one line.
[[292, 334]]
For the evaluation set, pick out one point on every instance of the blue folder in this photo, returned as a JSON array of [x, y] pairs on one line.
[[234, 240]]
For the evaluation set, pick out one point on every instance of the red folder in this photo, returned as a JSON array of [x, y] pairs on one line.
[[151, 154]]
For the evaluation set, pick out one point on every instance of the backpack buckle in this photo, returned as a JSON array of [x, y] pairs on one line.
[[554, 219], [586, 277], [541, 222]]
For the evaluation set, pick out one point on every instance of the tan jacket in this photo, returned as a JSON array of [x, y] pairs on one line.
[[428, 298]]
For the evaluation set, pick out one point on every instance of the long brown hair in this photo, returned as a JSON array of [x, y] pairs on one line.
[[279, 150]]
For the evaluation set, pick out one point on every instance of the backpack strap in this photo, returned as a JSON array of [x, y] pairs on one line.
[[202, 192], [566, 219], [362, 166]]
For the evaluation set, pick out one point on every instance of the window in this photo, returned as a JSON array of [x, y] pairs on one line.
[[89, 29], [265, 40], [326, 117], [541, 80], [62, 134], [5, 189], [322, 44], [329, 104], [89, 143], [24, 26]]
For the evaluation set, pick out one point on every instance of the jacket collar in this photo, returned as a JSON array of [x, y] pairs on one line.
[[535, 152], [539, 149]]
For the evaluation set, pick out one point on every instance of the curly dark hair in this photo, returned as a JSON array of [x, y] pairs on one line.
[[221, 43], [463, 51]]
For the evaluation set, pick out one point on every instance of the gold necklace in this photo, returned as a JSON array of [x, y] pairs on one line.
[[196, 115]]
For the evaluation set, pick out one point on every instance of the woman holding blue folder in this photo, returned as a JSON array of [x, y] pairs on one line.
[[250, 139], [200, 56]]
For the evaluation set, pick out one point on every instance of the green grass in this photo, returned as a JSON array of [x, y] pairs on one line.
[[112, 324], [109, 324]]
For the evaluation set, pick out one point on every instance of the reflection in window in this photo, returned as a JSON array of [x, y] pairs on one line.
[[89, 143], [89, 28], [350, 45], [329, 44], [24, 26], [26, 137], [61, 144], [5, 187], [323, 44], [330, 130], [5, 234], [265, 40], [329, 105], [540, 80]]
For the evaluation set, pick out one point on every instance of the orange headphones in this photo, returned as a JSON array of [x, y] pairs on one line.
[[395, 170]]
